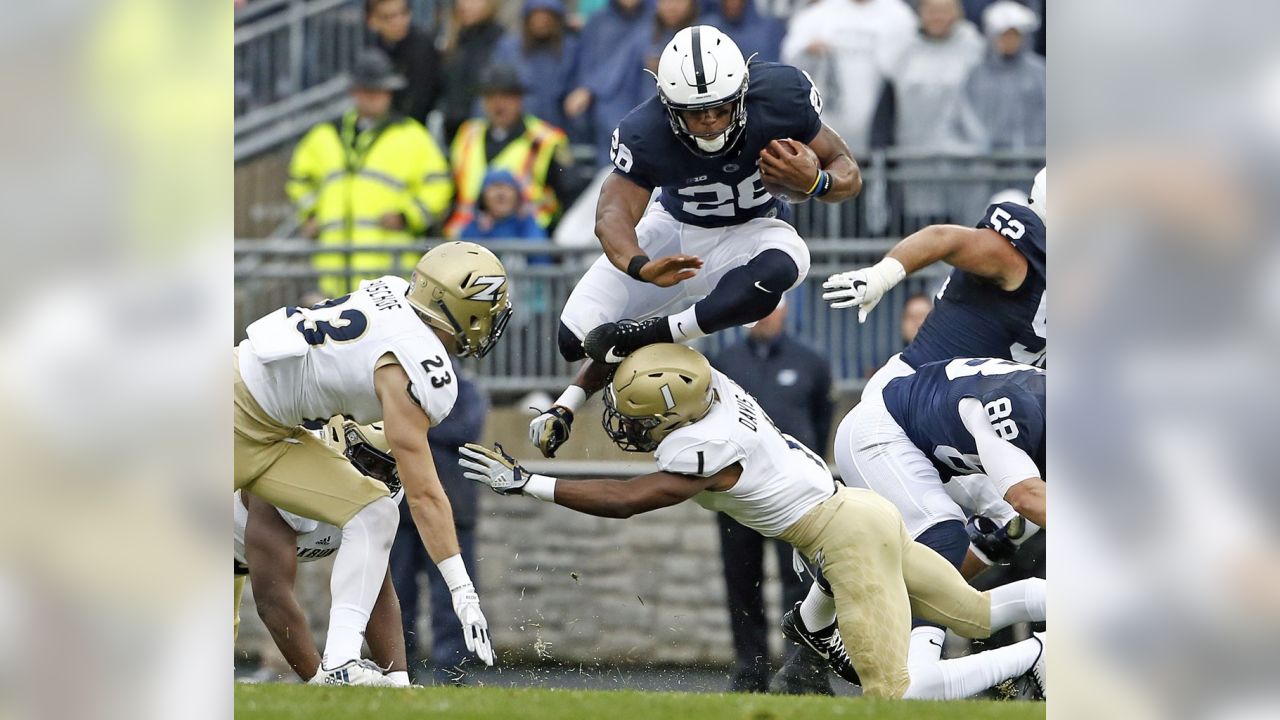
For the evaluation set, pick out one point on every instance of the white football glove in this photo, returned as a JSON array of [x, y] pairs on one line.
[[864, 287], [495, 468], [475, 629]]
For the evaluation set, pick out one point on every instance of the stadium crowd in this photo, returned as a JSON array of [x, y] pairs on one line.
[[935, 79]]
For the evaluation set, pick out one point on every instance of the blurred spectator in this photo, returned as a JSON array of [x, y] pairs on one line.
[[669, 18], [928, 80], [847, 46], [409, 559], [534, 151], [914, 311], [607, 84], [501, 213], [373, 177], [412, 50], [1007, 90], [792, 382], [754, 33], [474, 33], [544, 52]]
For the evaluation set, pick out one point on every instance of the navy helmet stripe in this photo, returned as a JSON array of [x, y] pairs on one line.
[[699, 76]]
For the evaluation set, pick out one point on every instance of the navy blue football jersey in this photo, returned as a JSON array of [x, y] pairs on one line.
[[926, 406], [782, 102], [973, 317]]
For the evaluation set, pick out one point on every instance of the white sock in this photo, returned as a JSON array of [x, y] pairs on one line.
[[358, 571], [818, 610], [1021, 601], [399, 678], [967, 676], [926, 645], [684, 326]]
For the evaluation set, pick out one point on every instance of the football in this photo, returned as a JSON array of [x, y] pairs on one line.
[[783, 193]]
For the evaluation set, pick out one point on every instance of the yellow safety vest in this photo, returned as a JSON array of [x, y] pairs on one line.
[[347, 180], [528, 157]]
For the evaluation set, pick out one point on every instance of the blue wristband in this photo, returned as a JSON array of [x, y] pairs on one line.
[[824, 184]]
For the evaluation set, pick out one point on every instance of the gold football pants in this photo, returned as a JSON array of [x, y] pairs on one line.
[[881, 578]]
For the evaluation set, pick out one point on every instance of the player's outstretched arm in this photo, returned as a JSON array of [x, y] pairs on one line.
[[836, 159], [980, 251], [621, 205], [270, 550], [406, 425], [1029, 499], [603, 498]]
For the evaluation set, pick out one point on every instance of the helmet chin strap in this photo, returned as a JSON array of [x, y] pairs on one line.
[[715, 144]]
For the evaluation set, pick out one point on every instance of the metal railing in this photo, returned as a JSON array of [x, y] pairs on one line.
[[276, 272], [291, 63]]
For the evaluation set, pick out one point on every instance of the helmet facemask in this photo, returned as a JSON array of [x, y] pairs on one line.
[[720, 143], [628, 433], [463, 345]]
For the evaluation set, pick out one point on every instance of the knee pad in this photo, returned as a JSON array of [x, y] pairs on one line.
[[570, 344]]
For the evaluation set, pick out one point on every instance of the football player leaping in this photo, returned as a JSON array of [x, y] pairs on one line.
[[709, 141], [380, 353], [715, 444], [269, 543]]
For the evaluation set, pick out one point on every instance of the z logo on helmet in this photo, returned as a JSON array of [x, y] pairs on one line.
[[493, 286]]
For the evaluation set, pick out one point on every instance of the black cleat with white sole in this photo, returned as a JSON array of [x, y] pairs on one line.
[[825, 642], [610, 343]]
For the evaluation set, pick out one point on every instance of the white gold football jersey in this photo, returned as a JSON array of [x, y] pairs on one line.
[[314, 363], [781, 478]]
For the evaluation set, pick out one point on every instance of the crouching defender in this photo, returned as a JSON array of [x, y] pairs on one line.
[[715, 444]]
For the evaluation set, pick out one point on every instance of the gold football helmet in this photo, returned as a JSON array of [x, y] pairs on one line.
[[656, 390], [462, 288]]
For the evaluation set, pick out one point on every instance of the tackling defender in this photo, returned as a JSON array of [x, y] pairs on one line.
[[380, 353], [715, 444], [709, 140]]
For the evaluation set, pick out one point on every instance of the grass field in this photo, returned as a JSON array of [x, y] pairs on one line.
[[299, 702]]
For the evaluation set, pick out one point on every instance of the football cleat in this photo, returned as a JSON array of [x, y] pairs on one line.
[[803, 673], [353, 672], [610, 343], [825, 642], [1039, 680]]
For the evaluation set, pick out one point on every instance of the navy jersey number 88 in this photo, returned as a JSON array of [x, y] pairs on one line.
[[926, 406]]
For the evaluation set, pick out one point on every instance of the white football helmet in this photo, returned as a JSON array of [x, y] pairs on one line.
[[701, 68], [1039, 195]]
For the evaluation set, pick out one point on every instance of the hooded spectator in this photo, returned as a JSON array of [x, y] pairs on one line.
[[474, 32], [501, 213], [1007, 90], [752, 32], [544, 52], [608, 84], [413, 51]]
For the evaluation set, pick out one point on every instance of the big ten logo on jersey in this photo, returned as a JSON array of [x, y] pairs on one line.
[[329, 321]]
